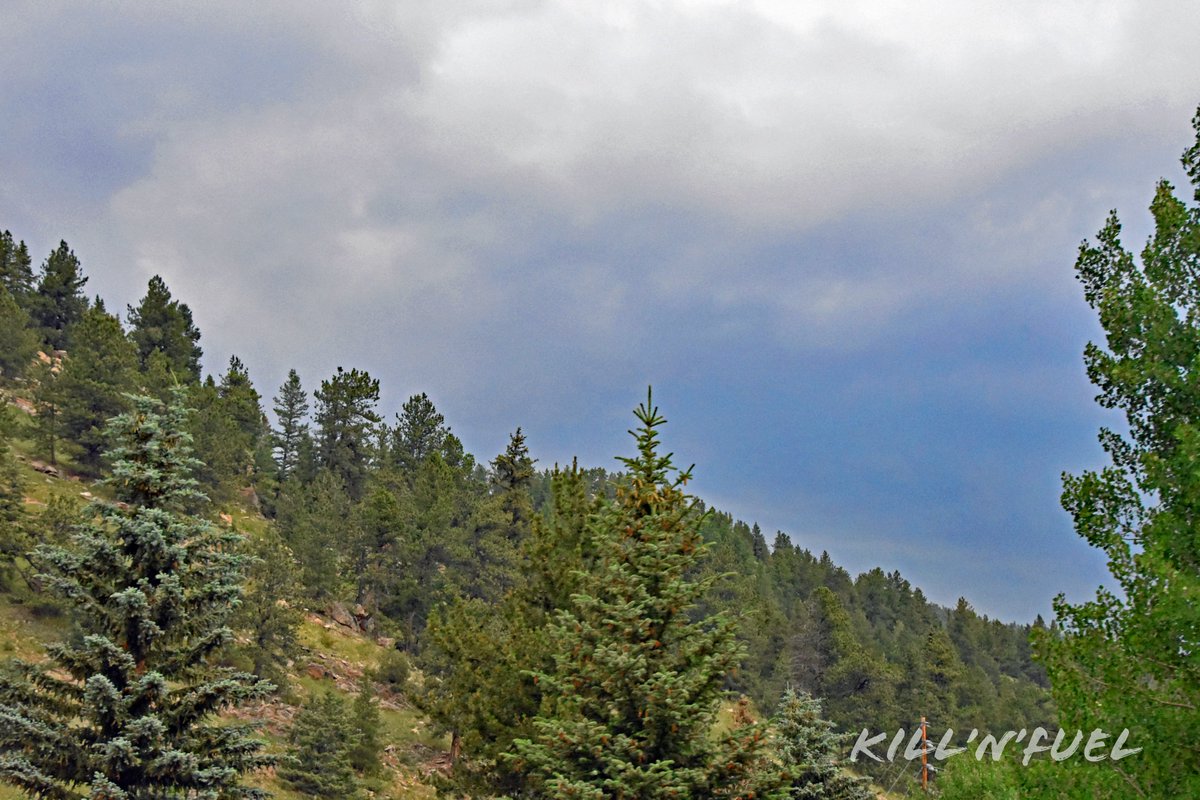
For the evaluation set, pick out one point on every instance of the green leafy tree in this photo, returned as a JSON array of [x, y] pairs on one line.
[[161, 324], [1130, 658], [345, 416], [127, 710], [93, 383], [291, 413], [808, 747], [18, 342], [631, 702], [321, 741], [59, 301]]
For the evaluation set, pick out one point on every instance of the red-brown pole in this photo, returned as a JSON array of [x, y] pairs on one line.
[[924, 757]]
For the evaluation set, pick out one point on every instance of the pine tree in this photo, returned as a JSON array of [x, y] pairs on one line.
[[291, 412], [637, 682], [161, 324], [18, 342], [420, 431], [16, 269], [47, 404], [364, 715], [316, 520], [92, 386], [127, 710], [808, 747], [321, 741], [59, 301], [345, 416], [14, 539], [269, 614]]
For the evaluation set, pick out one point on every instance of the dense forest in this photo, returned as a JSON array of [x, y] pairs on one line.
[[572, 631]]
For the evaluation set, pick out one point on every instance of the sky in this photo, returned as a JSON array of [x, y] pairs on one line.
[[837, 238]]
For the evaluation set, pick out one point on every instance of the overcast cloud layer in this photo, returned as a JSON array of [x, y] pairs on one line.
[[837, 237]]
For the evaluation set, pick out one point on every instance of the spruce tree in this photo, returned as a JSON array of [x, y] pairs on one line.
[[632, 700], [291, 413], [161, 324], [512, 475], [807, 746], [127, 710], [59, 301], [321, 741]]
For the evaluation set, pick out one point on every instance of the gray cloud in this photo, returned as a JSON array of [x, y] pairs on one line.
[[531, 209]]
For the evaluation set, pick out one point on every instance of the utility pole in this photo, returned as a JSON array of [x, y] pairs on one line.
[[924, 756]]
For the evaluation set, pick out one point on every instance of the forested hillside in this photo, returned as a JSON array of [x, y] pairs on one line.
[[380, 520]]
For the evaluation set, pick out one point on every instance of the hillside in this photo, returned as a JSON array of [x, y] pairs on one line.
[[796, 614]]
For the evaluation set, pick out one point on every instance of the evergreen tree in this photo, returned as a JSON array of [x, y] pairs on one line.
[[420, 432], [808, 747], [512, 475], [127, 710], [269, 614], [637, 682], [16, 269], [47, 404], [364, 715], [14, 539], [291, 413], [59, 301], [93, 383], [17, 342], [161, 324], [321, 741], [316, 520], [345, 414], [479, 657]]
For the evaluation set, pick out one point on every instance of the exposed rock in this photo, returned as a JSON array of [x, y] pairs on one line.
[[341, 615], [42, 357], [315, 671], [44, 468], [226, 518], [24, 405]]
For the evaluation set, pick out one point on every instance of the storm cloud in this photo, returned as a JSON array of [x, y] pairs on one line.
[[837, 237]]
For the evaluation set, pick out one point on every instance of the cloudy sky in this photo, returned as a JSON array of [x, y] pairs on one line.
[[837, 237]]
